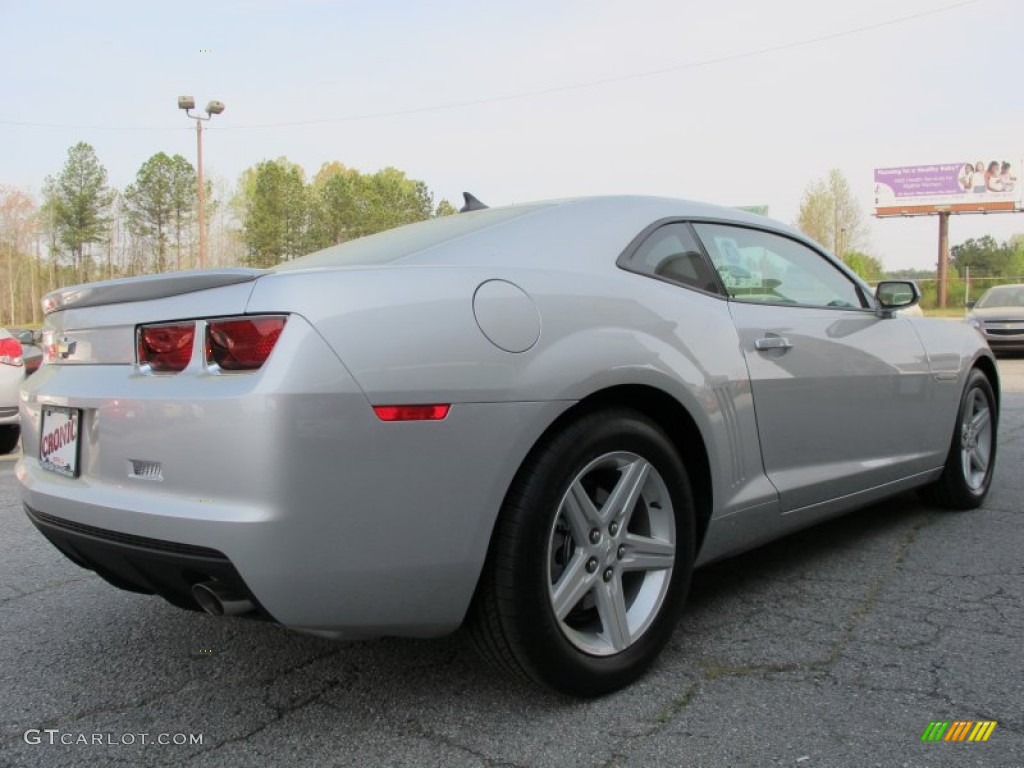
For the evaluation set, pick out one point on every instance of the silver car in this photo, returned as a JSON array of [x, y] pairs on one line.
[[531, 421], [999, 316]]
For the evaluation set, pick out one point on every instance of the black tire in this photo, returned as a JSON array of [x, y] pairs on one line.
[[9, 438], [513, 622], [967, 476]]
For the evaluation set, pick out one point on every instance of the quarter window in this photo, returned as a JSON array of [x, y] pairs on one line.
[[764, 267], [671, 253]]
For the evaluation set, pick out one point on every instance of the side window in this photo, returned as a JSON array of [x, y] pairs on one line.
[[764, 267], [671, 252]]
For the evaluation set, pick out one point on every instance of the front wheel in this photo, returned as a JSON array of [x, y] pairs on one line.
[[591, 559], [967, 476]]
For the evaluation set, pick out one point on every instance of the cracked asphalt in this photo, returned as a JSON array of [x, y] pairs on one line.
[[834, 647]]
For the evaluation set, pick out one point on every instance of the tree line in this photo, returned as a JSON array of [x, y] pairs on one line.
[[83, 229]]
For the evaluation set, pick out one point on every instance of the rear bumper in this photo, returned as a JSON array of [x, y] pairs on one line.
[[374, 529], [11, 378], [331, 520], [141, 564]]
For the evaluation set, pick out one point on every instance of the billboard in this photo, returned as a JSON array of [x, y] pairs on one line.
[[967, 187]]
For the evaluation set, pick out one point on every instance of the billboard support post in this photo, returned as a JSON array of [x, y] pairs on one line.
[[943, 270], [949, 188]]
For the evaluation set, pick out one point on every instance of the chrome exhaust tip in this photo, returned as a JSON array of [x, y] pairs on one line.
[[216, 600]]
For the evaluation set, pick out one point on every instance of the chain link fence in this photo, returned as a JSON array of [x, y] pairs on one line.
[[961, 289]]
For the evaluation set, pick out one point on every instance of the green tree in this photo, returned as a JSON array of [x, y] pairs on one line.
[[444, 208], [17, 231], [337, 205], [392, 199], [161, 206], [987, 258], [283, 217], [829, 213], [345, 204], [865, 265], [276, 213], [76, 204]]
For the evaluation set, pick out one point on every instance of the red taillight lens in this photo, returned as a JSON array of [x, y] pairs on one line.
[[10, 352], [411, 412], [242, 343], [166, 348]]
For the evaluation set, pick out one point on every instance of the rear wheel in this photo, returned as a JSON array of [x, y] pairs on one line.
[[591, 559], [8, 438], [967, 477]]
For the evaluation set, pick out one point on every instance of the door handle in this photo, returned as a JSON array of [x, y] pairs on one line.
[[772, 342]]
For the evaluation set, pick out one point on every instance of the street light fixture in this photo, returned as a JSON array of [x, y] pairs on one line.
[[188, 103]]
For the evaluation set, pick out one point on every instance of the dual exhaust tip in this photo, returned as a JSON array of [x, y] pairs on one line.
[[217, 600]]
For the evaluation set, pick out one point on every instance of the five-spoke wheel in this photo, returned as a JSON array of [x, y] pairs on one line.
[[611, 552], [590, 562], [967, 476]]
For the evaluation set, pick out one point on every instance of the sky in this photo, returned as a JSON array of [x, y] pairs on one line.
[[736, 102]]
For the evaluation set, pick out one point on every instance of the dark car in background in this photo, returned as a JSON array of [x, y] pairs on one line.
[[999, 316]]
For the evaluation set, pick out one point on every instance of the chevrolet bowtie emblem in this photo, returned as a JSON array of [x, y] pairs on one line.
[[66, 347]]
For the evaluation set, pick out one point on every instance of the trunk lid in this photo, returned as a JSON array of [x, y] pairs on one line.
[[94, 323]]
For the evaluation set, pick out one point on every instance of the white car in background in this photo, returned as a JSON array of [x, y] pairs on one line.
[[12, 374]]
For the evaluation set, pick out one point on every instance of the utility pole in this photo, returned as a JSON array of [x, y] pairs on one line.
[[187, 103], [943, 266]]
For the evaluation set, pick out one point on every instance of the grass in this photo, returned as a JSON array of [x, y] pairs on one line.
[[957, 312]]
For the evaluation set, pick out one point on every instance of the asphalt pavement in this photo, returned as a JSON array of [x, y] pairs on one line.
[[837, 646]]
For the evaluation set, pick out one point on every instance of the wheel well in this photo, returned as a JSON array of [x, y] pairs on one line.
[[986, 366], [678, 424]]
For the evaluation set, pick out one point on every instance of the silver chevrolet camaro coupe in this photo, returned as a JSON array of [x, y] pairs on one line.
[[531, 421]]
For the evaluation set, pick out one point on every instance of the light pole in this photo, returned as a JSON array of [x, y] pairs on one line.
[[187, 103]]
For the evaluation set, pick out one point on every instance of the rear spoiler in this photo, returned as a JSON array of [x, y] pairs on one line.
[[144, 288]]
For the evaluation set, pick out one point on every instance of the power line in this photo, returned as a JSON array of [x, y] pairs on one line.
[[539, 92], [614, 79], [27, 124]]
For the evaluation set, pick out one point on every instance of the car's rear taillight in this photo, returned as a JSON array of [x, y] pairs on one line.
[[10, 352], [242, 343], [166, 348]]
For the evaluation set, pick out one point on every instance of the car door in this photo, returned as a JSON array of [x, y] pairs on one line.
[[839, 392], [696, 308]]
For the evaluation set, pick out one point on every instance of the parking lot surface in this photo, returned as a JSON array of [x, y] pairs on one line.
[[834, 647]]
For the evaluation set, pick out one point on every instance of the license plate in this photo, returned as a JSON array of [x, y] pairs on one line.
[[58, 445]]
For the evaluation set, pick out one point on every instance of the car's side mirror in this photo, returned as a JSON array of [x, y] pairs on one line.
[[971, 303], [893, 295]]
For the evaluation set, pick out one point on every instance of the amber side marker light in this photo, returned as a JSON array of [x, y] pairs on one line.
[[411, 412]]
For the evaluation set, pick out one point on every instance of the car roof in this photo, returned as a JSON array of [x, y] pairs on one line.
[[566, 233]]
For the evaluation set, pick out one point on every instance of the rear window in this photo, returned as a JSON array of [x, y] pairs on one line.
[[395, 244]]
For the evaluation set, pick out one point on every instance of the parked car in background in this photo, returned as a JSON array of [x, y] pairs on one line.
[[31, 347], [999, 315], [533, 420], [12, 374]]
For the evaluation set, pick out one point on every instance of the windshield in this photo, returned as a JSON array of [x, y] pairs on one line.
[[395, 244], [1002, 296]]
